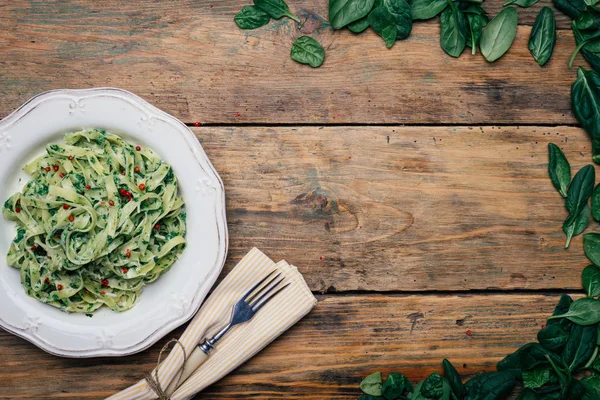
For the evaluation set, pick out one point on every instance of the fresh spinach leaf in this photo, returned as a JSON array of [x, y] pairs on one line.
[[543, 36], [402, 14], [580, 190], [562, 308], [389, 35], [589, 19], [433, 387], [588, 43], [453, 30], [526, 358], [591, 247], [580, 346], [394, 386], [372, 384], [276, 9], [489, 386], [476, 21], [585, 102], [590, 278], [596, 203], [453, 379], [520, 3], [537, 377], [575, 224], [553, 337], [344, 12], [359, 25], [307, 50], [572, 8], [427, 9], [558, 169], [584, 311], [251, 17], [382, 22], [498, 35]]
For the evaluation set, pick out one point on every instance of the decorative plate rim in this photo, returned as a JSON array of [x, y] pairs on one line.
[[201, 158]]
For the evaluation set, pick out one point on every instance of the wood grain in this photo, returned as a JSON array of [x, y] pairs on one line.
[[401, 208], [189, 58], [323, 357]]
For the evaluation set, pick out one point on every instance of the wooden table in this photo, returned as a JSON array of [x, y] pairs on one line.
[[409, 187]]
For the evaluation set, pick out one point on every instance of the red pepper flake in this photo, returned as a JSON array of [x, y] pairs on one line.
[[138, 148], [198, 123], [128, 253], [71, 218], [238, 114], [321, 258], [17, 210], [102, 292], [122, 191], [157, 226], [87, 187], [33, 247], [104, 282], [59, 286], [47, 169], [56, 235], [211, 6], [62, 175], [111, 203], [137, 169], [47, 281], [65, 206], [142, 186], [124, 270], [469, 333], [55, 167], [544, 326], [123, 172], [71, 158], [19, 202]]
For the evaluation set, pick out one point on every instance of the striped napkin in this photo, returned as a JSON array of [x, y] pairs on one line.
[[243, 341]]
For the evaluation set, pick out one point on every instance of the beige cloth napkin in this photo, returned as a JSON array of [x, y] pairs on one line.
[[243, 341]]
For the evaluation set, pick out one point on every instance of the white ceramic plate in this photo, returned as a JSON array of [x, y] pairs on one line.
[[171, 300]]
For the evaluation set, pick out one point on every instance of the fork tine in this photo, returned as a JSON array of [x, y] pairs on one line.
[[257, 285], [258, 306], [262, 288]]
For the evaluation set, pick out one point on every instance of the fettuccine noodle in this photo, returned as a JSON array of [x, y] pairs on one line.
[[99, 219]]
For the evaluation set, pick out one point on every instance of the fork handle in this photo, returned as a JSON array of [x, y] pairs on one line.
[[195, 360]]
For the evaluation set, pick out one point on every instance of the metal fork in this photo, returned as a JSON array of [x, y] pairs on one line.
[[243, 311]]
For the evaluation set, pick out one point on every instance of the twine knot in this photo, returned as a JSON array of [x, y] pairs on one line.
[[153, 381]]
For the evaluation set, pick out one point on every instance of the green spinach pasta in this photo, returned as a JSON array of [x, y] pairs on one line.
[[98, 220]]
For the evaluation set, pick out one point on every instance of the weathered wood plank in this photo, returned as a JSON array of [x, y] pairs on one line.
[[191, 60], [401, 208], [322, 357]]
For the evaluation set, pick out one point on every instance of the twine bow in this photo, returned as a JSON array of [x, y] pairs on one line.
[[153, 381]]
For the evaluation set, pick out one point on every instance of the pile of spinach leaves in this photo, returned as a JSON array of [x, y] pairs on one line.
[[463, 23], [564, 362]]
